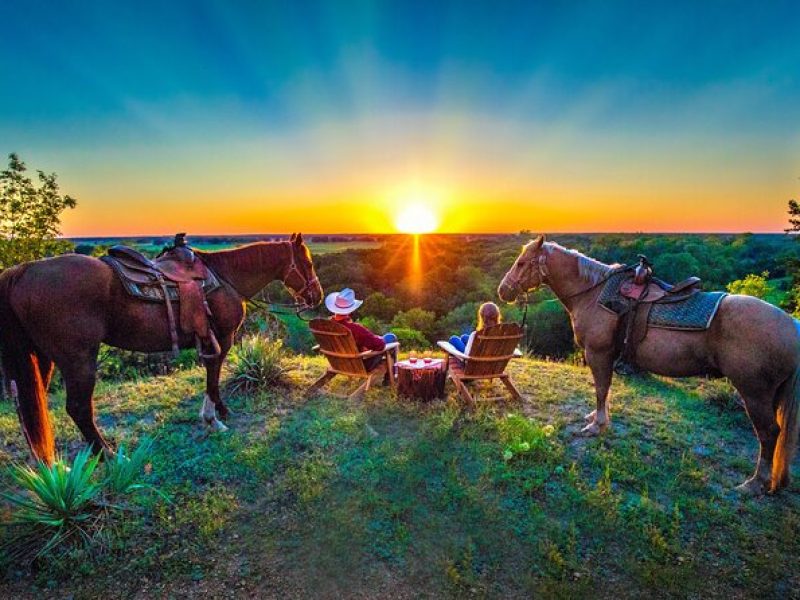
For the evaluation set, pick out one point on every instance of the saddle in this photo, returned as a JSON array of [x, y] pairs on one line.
[[177, 275], [637, 293]]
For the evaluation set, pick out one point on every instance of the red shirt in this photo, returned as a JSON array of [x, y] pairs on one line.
[[365, 339]]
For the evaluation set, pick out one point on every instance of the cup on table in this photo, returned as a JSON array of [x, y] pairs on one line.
[[427, 357], [412, 357]]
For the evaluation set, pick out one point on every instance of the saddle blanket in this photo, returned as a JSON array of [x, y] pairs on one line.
[[151, 290], [694, 312]]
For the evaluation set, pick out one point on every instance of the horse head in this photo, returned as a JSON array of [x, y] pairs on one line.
[[527, 273], [300, 277]]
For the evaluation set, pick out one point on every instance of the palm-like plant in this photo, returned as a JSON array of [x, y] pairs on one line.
[[123, 473], [256, 363], [58, 500]]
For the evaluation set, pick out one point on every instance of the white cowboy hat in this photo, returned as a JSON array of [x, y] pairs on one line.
[[342, 303]]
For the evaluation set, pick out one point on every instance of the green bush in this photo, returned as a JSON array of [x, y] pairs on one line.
[[423, 321], [58, 501], [256, 363], [123, 473], [410, 339], [124, 365]]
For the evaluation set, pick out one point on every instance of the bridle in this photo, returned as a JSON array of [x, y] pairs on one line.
[[293, 269], [539, 261]]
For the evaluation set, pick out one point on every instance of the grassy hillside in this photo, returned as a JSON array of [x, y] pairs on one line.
[[390, 498]]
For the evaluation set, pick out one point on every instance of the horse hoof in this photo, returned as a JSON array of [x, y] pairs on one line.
[[590, 416], [752, 487], [216, 425], [593, 429]]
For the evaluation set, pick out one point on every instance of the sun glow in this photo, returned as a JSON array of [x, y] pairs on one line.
[[415, 217]]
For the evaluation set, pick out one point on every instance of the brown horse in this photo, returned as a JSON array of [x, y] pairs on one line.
[[751, 342], [58, 311]]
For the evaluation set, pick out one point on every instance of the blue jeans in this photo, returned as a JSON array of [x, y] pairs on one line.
[[371, 363], [459, 343]]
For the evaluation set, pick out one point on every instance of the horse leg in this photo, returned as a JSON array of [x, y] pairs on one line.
[[602, 367], [213, 405], [762, 414], [79, 381]]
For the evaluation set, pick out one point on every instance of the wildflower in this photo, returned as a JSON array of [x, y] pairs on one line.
[[548, 430], [508, 455], [524, 446]]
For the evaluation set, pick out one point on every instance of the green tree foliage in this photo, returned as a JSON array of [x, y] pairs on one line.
[[751, 285], [30, 215], [794, 217], [417, 319], [380, 306]]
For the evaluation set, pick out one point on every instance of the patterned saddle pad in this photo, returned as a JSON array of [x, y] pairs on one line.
[[692, 313], [146, 286]]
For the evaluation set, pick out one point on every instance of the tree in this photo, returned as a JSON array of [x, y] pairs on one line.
[[751, 285], [794, 217], [30, 215]]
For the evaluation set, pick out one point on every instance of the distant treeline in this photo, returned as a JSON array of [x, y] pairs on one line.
[[456, 273]]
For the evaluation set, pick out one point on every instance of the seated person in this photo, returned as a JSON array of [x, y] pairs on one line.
[[342, 305], [488, 315]]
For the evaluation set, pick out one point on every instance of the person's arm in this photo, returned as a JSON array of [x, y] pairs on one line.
[[469, 342], [365, 339]]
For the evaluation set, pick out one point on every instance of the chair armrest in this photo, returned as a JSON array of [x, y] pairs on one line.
[[315, 347], [391, 346], [518, 353], [450, 349]]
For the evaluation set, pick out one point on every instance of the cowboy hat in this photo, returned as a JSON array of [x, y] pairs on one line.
[[342, 303]]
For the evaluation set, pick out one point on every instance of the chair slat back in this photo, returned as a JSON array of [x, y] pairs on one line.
[[492, 349], [337, 344]]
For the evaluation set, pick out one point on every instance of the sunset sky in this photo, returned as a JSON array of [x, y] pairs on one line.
[[247, 117]]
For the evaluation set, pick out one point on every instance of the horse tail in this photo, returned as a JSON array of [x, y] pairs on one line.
[[788, 408], [21, 368]]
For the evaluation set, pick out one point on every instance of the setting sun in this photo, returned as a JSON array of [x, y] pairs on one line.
[[416, 218]]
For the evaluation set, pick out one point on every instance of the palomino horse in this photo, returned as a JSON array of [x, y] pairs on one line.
[[57, 311], [754, 344]]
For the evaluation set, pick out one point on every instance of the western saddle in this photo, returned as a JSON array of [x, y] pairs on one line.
[[643, 290], [175, 275]]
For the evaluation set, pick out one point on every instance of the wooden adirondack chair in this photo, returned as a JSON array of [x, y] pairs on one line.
[[337, 344], [491, 350]]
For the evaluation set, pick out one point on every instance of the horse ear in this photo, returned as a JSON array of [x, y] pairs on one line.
[[294, 236], [537, 243], [298, 239]]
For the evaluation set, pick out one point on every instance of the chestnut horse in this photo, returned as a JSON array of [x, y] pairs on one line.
[[751, 342], [57, 311]]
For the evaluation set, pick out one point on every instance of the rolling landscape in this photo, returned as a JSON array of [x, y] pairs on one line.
[[398, 299]]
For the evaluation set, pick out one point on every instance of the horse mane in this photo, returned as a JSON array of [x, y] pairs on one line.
[[589, 269], [250, 257]]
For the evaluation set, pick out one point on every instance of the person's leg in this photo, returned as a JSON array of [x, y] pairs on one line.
[[457, 343]]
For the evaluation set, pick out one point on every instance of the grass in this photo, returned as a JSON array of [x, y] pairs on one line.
[[390, 498]]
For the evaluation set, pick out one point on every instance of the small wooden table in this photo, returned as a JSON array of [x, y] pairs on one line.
[[421, 380]]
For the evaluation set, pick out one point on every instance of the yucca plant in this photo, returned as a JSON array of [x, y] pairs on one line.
[[58, 501], [256, 363], [123, 472]]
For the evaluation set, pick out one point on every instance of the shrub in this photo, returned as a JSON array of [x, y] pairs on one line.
[[117, 364], [256, 363], [423, 321], [58, 501], [751, 285], [123, 472], [411, 339]]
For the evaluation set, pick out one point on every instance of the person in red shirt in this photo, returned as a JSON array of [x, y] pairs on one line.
[[342, 305]]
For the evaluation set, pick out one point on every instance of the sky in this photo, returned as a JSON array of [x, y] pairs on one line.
[[248, 117]]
